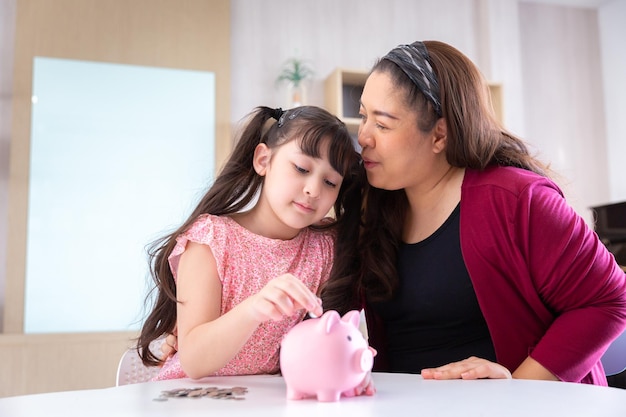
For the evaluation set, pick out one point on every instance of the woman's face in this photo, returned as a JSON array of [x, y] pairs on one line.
[[396, 154]]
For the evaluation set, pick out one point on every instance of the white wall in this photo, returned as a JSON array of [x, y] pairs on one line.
[[7, 41], [563, 98], [612, 22], [330, 33], [503, 37], [504, 60]]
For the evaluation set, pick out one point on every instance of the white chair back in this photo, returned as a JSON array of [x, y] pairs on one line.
[[131, 369]]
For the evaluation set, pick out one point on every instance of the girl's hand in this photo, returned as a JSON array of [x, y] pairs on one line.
[[283, 296], [169, 346], [366, 387], [470, 368]]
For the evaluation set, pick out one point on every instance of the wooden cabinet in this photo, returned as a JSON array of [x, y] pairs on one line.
[[342, 93], [496, 100], [343, 88]]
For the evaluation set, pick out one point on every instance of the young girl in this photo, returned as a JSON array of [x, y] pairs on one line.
[[245, 267]]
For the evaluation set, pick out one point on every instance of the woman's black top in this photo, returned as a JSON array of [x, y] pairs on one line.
[[434, 318]]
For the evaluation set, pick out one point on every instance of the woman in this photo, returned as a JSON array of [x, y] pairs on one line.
[[472, 265]]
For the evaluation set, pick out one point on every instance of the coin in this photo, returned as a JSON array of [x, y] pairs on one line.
[[234, 393]]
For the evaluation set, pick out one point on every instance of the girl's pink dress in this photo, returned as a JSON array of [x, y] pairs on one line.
[[246, 262]]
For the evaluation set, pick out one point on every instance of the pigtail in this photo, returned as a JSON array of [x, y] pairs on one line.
[[233, 189], [238, 182]]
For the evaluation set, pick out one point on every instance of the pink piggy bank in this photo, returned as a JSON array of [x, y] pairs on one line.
[[325, 357]]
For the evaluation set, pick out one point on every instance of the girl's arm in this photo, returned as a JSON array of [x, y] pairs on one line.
[[208, 341]]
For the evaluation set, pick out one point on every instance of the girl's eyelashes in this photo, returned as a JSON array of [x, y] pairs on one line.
[[330, 183], [304, 171], [300, 169]]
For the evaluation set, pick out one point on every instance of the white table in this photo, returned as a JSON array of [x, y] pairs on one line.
[[398, 395]]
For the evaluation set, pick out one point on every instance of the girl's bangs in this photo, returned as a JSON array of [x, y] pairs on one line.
[[341, 152]]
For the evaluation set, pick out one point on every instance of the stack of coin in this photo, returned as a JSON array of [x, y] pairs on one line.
[[234, 393]]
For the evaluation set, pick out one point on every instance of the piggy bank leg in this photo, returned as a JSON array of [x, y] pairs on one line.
[[328, 396]]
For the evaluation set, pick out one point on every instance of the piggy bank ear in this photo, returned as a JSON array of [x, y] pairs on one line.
[[328, 321], [353, 317]]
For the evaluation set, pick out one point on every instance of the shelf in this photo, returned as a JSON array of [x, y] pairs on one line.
[[343, 89], [342, 93], [496, 100]]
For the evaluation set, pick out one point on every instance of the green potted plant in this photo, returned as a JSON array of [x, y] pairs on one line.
[[293, 73]]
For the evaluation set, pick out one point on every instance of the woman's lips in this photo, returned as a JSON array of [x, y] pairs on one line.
[[368, 164]]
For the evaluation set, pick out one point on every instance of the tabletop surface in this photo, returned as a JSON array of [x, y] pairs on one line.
[[397, 395]]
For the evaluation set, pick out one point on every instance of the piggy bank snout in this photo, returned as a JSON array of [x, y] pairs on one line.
[[363, 360]]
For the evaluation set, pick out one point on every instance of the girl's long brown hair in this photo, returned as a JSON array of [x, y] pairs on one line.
[[237, 186]]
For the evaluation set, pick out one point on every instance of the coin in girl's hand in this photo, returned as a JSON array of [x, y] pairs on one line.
[[312, 314]]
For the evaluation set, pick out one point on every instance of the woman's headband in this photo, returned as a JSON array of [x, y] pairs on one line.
[[414, 61]]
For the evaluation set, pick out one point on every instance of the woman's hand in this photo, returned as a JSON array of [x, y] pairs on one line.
[[470, 368], [366, 387]]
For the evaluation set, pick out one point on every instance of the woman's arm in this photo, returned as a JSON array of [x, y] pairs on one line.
[[531, 369], [577, 278]]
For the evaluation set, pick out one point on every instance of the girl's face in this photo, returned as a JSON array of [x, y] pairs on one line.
[[396, 154], [298, 190]]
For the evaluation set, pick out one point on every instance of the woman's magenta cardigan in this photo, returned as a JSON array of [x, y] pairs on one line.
[[546, 285]]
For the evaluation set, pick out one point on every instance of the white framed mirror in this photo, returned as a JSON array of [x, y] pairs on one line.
[[119, 156]]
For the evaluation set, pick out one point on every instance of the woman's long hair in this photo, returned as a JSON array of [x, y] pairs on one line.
[[475, 139], [237, 186]]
